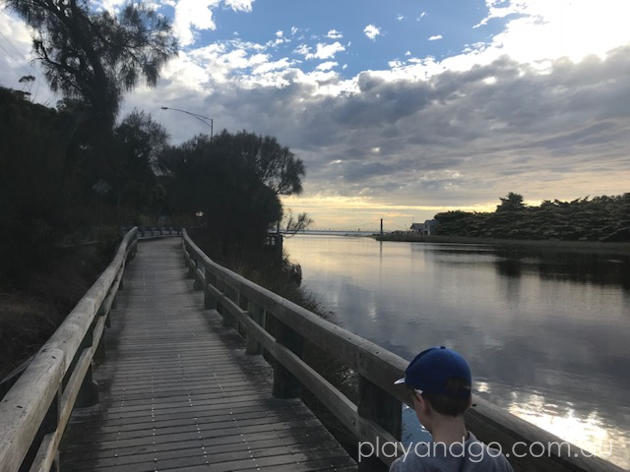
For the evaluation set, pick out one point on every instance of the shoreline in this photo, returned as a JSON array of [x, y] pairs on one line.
[[544, 244]]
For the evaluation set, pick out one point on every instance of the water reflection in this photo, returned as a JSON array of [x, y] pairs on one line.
[[590, 431], [546, 332], [557, 264]]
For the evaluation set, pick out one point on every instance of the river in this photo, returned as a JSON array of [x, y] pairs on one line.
[[547, 333]]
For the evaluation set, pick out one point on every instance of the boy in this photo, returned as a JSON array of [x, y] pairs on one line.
[[440, 381]]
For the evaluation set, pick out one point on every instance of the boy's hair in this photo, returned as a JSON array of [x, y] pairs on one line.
[[455, 402]]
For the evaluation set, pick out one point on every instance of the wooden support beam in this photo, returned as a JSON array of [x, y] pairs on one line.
[[256, 314], [379, 407], [285, 384]]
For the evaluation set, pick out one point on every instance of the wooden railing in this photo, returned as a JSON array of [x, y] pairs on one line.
[[377, 414], [36, 409], [148, 232]]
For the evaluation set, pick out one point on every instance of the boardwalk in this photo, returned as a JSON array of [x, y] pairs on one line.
[[177, 391]]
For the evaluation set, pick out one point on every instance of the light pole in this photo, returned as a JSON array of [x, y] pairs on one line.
[[197, 116]]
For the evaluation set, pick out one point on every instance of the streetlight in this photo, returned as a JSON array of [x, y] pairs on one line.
[[197, 116]]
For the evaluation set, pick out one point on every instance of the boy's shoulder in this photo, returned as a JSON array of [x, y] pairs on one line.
[[472, 455]]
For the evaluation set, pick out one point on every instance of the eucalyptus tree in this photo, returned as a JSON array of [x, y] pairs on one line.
[[138, 140], [93, 55], [236, 181]]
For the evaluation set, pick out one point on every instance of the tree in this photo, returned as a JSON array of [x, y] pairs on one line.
[[33, 142], [603, 218], [512, 202], [93, 55], [295, 224], [138, 140], [275, 165], [235, 179]]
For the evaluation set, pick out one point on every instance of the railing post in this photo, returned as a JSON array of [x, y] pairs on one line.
[[256, 313], [285, 384], [222, 287], [99, 352], [88, 393], [377, 405], [121, 276], [48, 426], [198, 284], [242, 303], [192, 265], [209, 301]]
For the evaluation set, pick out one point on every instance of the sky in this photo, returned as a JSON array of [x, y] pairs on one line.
[[401, 108]]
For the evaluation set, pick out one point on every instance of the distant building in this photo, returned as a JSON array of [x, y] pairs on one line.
[[425, 228]]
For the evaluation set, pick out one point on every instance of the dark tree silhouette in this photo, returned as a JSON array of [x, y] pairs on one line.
[[235, 180], [93, 55], [295, 224], [605, 218], [512, 202], [138, 140], [275, 165]]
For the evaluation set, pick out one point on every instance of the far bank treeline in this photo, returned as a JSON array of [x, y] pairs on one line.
[[603, 218], [79, 171]]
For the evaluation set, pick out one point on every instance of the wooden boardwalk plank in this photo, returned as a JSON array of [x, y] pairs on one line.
[[178, 392]]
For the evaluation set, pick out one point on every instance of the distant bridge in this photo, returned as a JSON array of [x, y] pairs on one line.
[[182, 384]]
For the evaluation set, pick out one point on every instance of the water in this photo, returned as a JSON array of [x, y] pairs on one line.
[[547, 333]]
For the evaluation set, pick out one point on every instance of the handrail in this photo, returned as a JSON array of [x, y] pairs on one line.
[[35, 411], [378, 412], [152, 232]]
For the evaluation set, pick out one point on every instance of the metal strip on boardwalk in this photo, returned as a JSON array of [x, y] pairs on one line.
[[178, 392]]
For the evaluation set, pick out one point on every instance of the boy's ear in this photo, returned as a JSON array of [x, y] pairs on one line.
[[424, 405]]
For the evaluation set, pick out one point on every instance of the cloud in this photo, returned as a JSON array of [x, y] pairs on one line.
[[17, 59], [451, 139], [526, 106], [302, 49], [334, 34], [400, 17], [265, 67], [538, 30], [322, 50], [240, 5], [421, 15], [197, 14], [191, 14], [112, 6], [327, 65], [435, 37], [372, 32]]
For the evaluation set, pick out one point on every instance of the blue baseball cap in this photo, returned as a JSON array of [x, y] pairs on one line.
[[431, 370]]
